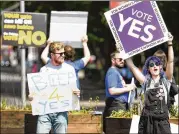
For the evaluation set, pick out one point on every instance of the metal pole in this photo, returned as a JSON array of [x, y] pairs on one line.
[[23, 65]]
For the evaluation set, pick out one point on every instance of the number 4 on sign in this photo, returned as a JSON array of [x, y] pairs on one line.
[[55, 94]]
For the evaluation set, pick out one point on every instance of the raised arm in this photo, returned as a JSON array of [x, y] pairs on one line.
[[170, 64], [86, 51], [137, 73], [44, 56]]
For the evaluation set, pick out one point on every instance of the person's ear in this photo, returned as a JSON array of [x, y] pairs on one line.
[[51, 54], [112, 60]]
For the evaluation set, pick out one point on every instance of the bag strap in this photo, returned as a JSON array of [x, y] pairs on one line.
[[164, 81]]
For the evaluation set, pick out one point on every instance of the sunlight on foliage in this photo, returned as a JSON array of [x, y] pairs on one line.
[[87, 110], [174, 112], [4, 106], [84, 110]]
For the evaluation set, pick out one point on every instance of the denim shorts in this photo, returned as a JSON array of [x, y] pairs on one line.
[[56, 121]]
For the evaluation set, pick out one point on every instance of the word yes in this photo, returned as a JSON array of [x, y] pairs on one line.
[[44, 105], [136, 22]]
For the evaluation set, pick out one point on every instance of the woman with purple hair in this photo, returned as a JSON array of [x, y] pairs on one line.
[[156, 84]]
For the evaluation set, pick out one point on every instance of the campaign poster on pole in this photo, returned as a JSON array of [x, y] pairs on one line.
[[68, 27], [24, 29], [52, 92], [136, 26]]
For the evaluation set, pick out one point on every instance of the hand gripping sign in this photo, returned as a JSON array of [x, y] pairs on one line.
[[136, 27]]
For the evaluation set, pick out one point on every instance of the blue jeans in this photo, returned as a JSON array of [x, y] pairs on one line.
[[58, 121]]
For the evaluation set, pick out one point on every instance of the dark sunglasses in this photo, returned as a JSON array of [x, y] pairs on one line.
[[153, 64], [60, 53], [120, 59]]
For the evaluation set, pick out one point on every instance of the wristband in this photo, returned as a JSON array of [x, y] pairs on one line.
[[170, 45]]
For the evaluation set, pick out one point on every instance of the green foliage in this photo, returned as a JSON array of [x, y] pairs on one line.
[[87, 110], [121, 114], [174, 111], [6, 4], [125, 114], [4, 106], [101, 42], [134, 111], [84, 110]]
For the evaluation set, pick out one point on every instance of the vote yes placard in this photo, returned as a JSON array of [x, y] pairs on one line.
[[136, 27]]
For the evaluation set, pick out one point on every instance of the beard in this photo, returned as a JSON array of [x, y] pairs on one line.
[[120, 66], [59, 62]]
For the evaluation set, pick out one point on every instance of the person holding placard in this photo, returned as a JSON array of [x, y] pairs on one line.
[[116, 89], [70, 56], [57, 120], [155, 114], [162, 56]]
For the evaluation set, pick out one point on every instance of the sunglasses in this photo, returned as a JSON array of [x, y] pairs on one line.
[[120, 59], [154, 64], [60, 53]]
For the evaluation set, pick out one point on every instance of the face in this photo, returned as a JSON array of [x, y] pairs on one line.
[[162, 59], [118, 61], [58, 56], [154, 68]]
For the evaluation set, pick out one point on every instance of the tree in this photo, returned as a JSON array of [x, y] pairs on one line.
[[101, 42]]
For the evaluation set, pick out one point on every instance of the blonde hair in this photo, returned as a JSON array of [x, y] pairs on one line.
[[69, 53], [113, 54], [56, 46]]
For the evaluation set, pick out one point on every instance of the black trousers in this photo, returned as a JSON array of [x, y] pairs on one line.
[[151, 123], [112, 104]]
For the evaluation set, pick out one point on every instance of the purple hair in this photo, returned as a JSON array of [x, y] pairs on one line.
[[145, 70]]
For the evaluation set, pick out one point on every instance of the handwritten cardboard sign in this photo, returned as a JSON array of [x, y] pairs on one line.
[[136, 26], [27, 29], [52, 92]]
